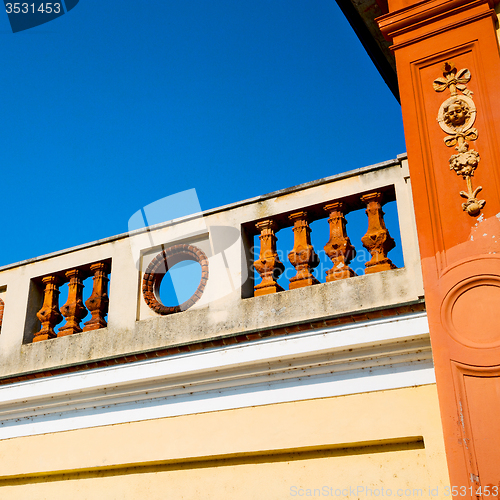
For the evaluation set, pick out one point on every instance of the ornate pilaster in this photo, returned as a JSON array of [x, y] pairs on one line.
[[268, 266], [49, 315], [377, 239], [302, 257], [98, 302], [448, 63], [339, 247], [74, 310]]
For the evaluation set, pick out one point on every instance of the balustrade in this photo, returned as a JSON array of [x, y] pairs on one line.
[[339, 248], [309, 235], [74, 310]]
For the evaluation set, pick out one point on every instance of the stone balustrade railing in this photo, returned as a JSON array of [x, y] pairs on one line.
[[339, 249], [74, 309], [228, 305]]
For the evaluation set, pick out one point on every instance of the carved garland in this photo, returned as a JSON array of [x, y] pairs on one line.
[[455, 117], [160, 265]]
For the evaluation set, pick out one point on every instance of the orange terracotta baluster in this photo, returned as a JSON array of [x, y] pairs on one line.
[[268, 266], [49, 315], [377, 239], [98, 302], [302, 257], [339, 247], [74, 310]]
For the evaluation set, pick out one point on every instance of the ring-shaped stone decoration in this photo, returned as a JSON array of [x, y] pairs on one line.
[[468, 107], [160, 265]]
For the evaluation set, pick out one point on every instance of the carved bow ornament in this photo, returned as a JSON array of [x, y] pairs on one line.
[[456, 116], [453, 81]]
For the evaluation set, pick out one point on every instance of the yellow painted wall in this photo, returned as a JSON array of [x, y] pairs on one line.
[[387, 439]]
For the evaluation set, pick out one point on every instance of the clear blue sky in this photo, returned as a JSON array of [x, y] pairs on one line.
[[120, 103]]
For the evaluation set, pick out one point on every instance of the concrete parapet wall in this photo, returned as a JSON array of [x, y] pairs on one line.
[[225, 308]]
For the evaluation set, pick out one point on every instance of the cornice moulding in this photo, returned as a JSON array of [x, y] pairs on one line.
[[368, 356], [413, 16]]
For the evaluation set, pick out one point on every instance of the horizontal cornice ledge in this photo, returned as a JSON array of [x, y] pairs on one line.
[[414, 16], [376, 355]]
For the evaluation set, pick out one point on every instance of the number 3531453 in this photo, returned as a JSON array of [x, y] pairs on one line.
[[27, 8]]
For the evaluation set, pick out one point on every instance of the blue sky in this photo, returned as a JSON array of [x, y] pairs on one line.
[[118, 104]]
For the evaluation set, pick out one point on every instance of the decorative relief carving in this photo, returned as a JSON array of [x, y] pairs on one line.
[[456, 117], [453, 80]]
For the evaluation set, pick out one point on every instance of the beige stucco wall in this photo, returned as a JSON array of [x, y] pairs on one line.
[[390, 439]]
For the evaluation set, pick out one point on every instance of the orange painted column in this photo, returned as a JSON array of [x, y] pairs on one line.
[[448, 67]]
